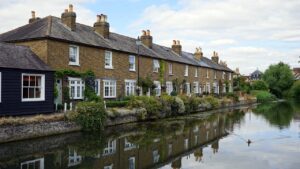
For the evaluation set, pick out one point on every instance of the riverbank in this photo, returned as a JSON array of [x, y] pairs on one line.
[[27, 129]]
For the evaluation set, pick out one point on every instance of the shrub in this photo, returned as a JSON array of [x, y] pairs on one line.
[[233, 96], [151, 104], [264, 96], [295, 90], [178, 106], [117, 103], [214, 102], [260, 85], [91, 115], [191, 103], [174, 93]]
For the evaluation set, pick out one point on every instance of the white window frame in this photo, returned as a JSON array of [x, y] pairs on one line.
[[223, 75], [188, 88], [196, 86], [229, 76], [76, 63], [108, 55], [108, 166], [41, 160], [110, 147], [207, 73], [169, 87], [157, 88], [215, 74], [133, 161], [208, 87], [156, 156], [128, 145], [131, 65], [81, 86], [170, 69], [131, 86], [156, 65], [42, 98], [74, 158], [196, 72], [98, 85], [186, 70], [113, 85], [0, 86]]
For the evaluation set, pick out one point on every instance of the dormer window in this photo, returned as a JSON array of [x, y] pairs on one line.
[[186, 70], [73, 55], [108, 60], [155, 65]]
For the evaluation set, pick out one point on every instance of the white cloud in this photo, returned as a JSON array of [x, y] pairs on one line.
[[16, 13], [245, 33]]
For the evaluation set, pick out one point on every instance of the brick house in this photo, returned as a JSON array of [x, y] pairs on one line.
[[118, 61]]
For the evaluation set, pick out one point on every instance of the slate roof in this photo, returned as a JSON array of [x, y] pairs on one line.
[[52, 27], [256, 72], [20, 57]]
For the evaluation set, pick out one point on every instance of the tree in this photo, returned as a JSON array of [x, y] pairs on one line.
[[295, 91], [279, 77], [260, 85]]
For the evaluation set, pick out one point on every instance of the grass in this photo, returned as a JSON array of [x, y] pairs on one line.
[[31, 119]]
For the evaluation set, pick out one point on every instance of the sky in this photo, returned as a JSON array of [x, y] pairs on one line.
[[248, 35]]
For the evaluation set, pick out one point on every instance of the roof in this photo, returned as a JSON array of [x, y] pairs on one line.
[[52, 27], [256, 72], [20, 57]]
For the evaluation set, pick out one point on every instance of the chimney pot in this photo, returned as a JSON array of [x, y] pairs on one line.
[[98, 18], [198, 54], [144, 33], [70, 8], [33, 14], [174, 42], [178, 42], [148, 32]]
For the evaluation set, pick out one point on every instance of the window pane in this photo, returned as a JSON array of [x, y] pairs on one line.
[[31, 92], [25, 93], [25, 80], [37, 93], [38, 81]]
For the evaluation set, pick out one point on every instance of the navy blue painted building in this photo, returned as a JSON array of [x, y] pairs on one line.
[[26, 82]]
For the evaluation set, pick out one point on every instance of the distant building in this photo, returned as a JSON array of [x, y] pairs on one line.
[[296, 72], [256, 75]]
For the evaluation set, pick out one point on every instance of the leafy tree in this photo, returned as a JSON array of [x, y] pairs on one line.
[[279, 77], [295, 91], [240, 84], [260, 85]]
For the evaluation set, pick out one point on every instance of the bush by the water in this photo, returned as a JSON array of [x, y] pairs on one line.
[[264, 96], [260, 85], [91, 115], [121, 103], [295, 90]]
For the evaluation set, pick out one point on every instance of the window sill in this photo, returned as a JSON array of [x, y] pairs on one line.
[[109, 67], [33, 100], [109, 97], [74, 64], [155, 71], [186, 75], [132, 70], [171, 74]]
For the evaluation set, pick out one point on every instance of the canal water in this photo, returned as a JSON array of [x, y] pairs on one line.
[[266, 136]]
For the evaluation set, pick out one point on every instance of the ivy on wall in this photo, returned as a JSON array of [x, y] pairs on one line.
[[162, 71]]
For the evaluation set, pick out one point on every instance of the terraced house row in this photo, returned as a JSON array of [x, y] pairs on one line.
[[118, 61]]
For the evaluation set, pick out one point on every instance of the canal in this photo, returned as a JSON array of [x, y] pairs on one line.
[[212, 141]]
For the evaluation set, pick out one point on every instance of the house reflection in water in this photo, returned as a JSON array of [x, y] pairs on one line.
[[141, 147]]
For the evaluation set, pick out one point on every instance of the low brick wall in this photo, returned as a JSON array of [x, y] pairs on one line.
[[22, 132]]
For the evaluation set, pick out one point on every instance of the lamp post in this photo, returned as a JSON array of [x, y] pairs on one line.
[[138, 43]]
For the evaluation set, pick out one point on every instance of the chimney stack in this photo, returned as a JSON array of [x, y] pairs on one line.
[[69, 18], [146, 38], [198, 54], [33, 17], [215, 57], [176, 47], [101, 26]]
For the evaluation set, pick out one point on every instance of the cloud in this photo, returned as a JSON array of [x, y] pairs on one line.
[[16, 13], [247, 34]]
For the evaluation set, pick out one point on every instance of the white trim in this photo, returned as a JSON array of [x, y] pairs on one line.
[[113, 85], [40, 160], [110, 66], [98, 93], [188, 88], [155, 65], [229, 76], [132, 87], [158, 88], [196, 86], [215, 74], [169, 86], [170, 69], [76, 63], [196, 72], [223, 75], [42, 97], [132, 69], [133, 161], [0, 86], [81, 86], [207, 74], [186, 70]]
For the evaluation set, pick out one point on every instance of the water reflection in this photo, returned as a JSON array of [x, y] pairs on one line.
[[188, 142]]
